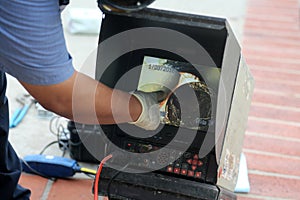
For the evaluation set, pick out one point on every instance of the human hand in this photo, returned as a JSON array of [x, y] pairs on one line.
[[149, 119]]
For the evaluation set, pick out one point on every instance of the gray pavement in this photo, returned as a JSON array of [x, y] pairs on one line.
[[33, 133]]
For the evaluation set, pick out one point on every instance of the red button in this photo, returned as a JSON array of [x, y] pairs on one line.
[[194, 162], [190, 173], [189, 161], [176, 170], [200, 163], [198, 174], [196, 157], [194, 167], [170, 169], [183, 172]]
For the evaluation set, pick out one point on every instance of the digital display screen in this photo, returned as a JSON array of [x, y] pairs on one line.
[[186, 99]]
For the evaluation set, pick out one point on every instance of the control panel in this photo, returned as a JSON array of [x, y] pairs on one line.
[[173, 162], [188, 164]]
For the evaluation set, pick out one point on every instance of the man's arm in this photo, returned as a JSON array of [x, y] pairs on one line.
[[37, 56], [88, 97]]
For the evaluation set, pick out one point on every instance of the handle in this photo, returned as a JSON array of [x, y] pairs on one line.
[[20, 116], [14, 116]]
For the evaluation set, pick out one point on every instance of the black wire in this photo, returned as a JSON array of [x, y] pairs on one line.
[[63, 136], [75, 143], [63, 153], [47, 146], [89, 175], [113, 178], [63, 142], [57, 129], [109, 184], [58, 132], [54, 132]]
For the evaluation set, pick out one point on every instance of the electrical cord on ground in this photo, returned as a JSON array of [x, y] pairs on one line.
[[57, 128], [88, 172], [56, 122], [47, 146], [89, 175], [97, 178]]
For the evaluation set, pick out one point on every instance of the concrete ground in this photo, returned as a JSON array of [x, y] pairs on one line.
[[268, 31]]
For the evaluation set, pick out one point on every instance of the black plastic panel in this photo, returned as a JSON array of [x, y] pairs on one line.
[[152, 186]]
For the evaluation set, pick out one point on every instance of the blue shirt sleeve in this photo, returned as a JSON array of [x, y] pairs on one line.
[[32, 44]]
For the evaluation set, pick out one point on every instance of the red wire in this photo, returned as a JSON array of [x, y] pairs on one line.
[[97, 178]]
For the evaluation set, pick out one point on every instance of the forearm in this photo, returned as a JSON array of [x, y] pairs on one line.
[[87, 101]]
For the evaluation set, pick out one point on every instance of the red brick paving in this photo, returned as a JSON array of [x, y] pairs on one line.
[[278, 187], [279, 86], [71, 189], [58, 190], [276, 97], [275, 52], [261, 72], [273, 129], [274, 145], [278, 64], [273, 164], [266, 112], [35, 183], [248, 198], [272, 49]]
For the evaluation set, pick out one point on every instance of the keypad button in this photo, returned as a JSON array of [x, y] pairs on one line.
[[176, 170], [194, 167], [200, 163], [198, 175], [189, 161], [190, 173], [169, 169], [194, 162], [183, 171], [196, 157]]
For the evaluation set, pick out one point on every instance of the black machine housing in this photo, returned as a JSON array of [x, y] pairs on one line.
[[190, 176]]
